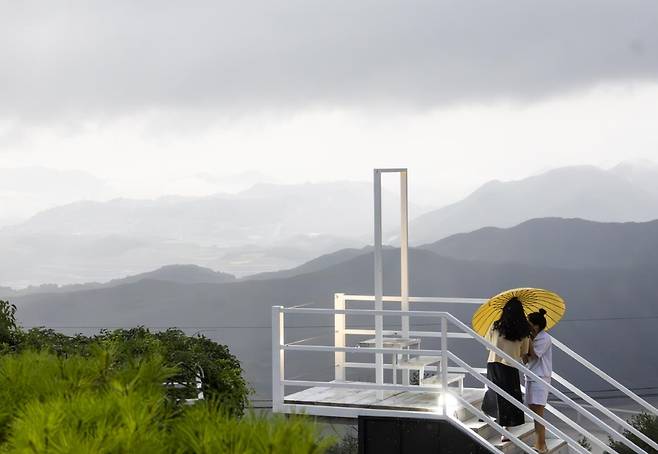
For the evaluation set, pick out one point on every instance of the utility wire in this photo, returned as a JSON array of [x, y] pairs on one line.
[[651, 317]]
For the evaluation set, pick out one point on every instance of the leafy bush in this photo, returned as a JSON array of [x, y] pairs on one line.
[[205, 429], [348, 445], [222, 374], [7, 323], [100, 404], [645, 423]]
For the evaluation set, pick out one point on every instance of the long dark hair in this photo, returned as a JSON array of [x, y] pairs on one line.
[[512, 324]]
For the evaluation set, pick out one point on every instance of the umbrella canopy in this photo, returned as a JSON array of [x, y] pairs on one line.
[[532, 300]]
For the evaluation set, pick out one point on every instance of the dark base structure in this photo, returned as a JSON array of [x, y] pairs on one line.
[[379, 435]]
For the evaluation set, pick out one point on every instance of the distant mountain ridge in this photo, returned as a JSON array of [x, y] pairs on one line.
[[266, 228], [179, 274], [263, 214], [318, 264], [559, 243], [615, 195]]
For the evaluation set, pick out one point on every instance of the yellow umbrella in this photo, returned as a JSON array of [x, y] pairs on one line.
[[532, 300]]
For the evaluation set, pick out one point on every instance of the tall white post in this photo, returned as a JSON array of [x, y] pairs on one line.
[[379, 283], [404, 261], [444, 363], [278, 363], [339, 337]]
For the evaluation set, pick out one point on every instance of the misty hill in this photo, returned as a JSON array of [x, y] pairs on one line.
[[555, 242], [34, 259], [616, 195], [266, 228], [264, 214], [28, 190], [239, 313], [77, 259], [180, 274], [317, 264]]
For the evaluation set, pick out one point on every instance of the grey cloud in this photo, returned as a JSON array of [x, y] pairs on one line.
[[114, 57]]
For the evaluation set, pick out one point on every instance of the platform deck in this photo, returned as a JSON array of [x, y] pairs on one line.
[[359, 398]]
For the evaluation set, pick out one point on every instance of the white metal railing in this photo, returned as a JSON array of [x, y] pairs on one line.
[[478, 301], [444, 354], [340, 349]]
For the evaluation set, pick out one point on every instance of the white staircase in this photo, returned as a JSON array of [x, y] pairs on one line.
[[437, 397]]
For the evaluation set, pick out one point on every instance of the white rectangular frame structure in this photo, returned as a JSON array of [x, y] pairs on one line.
[[379, 268]]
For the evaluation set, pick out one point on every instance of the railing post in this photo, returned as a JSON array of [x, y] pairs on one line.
[[404, 262], [339, 337], [379, 282], [444, 363], [278, 364]]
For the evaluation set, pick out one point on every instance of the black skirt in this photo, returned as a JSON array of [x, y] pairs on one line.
[[498, 407]]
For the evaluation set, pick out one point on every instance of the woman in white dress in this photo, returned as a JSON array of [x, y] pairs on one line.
[[540, 361]]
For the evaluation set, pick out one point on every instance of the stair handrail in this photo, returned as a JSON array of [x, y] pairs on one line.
[[573, 388], [653, 410], [525, 409], [611, 431], [486, 418]]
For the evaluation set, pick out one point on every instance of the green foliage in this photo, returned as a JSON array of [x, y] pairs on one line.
[[584, 442], [222, 374], [99, 403], [205, 429], [348, 445], [32, 382], [7, 323], [645, 423]]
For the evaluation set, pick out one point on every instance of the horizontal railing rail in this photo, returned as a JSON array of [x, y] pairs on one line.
[[646, 405], [417, 299]]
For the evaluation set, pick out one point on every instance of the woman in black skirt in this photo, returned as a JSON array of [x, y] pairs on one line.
[[510, 333]]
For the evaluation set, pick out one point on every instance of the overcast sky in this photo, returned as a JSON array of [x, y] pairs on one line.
[[159, 97]]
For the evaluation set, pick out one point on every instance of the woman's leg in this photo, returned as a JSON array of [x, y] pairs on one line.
[[509, 380], [540, 430]]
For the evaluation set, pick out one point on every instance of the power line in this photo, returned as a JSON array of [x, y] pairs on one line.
[[650, 317]]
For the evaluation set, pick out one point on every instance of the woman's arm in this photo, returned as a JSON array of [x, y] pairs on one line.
[[531, 350], [526, 350]]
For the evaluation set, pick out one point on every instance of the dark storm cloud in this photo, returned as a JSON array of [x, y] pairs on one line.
[[113, 57]]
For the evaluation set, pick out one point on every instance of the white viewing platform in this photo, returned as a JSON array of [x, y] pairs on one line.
[[409, 373]]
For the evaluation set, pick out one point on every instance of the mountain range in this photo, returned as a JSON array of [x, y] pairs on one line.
[[601, 300], [274, 227], [559, 243], [624, 193], [266, 228]]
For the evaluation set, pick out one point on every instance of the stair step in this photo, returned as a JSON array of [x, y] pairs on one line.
[[557, 446], [418, 361], [554, 446], [436, 379], [525, 432], [482, 428]]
